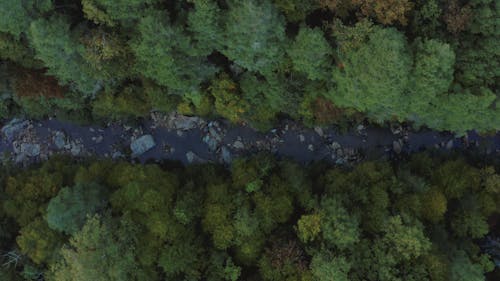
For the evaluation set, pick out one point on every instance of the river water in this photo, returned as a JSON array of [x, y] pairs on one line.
[[288, 140]]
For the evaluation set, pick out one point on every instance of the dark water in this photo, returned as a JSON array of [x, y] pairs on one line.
[[281, 142]]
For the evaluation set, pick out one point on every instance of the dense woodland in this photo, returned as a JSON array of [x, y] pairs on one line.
[[428, 62], [261, 220]]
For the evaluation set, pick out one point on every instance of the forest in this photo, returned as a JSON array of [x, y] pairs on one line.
[[432, 63], [263, 219], [409, 216]]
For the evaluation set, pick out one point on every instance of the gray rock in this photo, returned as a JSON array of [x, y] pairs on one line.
[[193, 158], [30, 149], [181, 122], [226, 155], [302, 138], [449, 144], [319, 131], [76, 149], [211, 142], [238, 145], [142, 144], [335, 145], [99, 139], [11, 129], [310, 147], [116, 155], [396, 146], [59, 140]]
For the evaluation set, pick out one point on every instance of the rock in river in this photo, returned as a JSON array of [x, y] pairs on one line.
[[142, 144], [13, 127], [193, 158], [181, 122], [30, 149]]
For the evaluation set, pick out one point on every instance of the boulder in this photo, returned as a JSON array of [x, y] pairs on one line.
[[238, 145], [76, 149], [226, 155], [142, 144], [396, 146], [59, 140], [319, 131], [30, 149], [193, 158], [181, 122], [11, 129]]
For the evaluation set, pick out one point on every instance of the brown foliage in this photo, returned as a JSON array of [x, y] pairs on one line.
[[34, 83], [282, 254], [457, 17], [325, 112], [384, 11], [387, 11]]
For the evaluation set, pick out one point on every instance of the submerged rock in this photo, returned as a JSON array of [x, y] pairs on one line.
[[30, 149], [59, 140], [396, 146], [142, 144], [193, 158], [226, 155]]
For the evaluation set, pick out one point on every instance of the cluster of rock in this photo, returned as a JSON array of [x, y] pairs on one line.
[[343, 155], [25, 145]]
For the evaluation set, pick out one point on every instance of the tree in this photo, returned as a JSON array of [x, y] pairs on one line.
[[374, 76], [16, 19], [205, 25], [39, 242], [405, 242], [126, 103], [228, 100], [387, 11], [102, 250], [432, 73], [295, 10], [111, 12], [183, 258], [338, 228], [68, 211], [325, 267], [162, 52], [54, 45], [308, 227], [311, 54], [260, 47]]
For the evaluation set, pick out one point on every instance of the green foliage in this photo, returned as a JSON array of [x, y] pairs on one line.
[[325, 267], [308, 227], [295, 10], [339, 229], [433, 72], [15, 19], [125, 104], [98, 238], [60, 53], [68, 211], [254, 35], [311, 54], [374, 76], [162, 53], [109, 11], [264, 219], [38, 241], [228, 101]]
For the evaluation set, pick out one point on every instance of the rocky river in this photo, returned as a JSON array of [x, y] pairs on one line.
[[195, 140]]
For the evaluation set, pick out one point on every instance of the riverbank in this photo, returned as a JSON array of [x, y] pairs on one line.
[[194, 140]]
